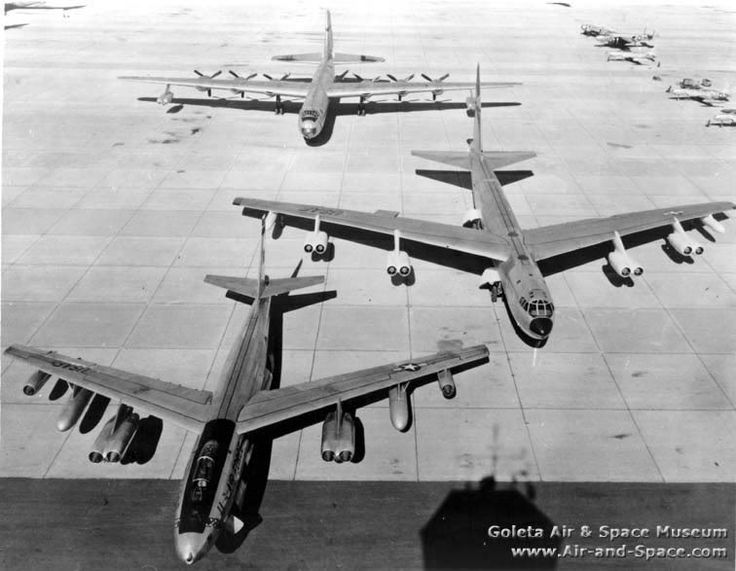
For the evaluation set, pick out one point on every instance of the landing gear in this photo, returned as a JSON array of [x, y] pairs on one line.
[[279, 110], [496, 291], [361, 107]]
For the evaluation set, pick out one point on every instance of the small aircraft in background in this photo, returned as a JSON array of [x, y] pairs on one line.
[[324, 88], [625, 43], [39, 5], [229, 420], [637, 58], [706, 96], [594, 31]]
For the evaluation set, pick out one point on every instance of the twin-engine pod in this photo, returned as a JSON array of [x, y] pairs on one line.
[[398, 263], [316, 241], [338, 436], [621, 262], [681, 242], [112, 442], [447, 384], [73, 408], [35, 383], [398, 405]]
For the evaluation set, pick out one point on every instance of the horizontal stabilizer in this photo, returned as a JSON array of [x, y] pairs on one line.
[[461, 159], [314, 57], [249, 287], [355, 58]]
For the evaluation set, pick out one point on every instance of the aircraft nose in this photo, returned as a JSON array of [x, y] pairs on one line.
[[541, 326], [309, 129], [190, 547]]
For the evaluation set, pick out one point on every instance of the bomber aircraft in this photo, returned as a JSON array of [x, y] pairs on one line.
[[325, 87], [625, 43], [229, 420], [511, 261]]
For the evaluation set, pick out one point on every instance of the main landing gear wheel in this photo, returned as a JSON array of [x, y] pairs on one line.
[[279, 110]]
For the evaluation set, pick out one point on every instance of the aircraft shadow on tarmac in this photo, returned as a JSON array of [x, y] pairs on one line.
[[456, 536], [335, 109], [463, 178]]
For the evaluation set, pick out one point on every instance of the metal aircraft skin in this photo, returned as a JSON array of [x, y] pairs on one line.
[[506, 256], [625, 43], [703, 95], [323, 88], [595, 31], [228, 419]]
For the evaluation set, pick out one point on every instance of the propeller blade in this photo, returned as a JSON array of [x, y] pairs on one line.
[[444, 77], [409, 77], [425, 76], [268, 77], [200, 74], [214, 75], [231, 72], [356, 76], [391, 77]]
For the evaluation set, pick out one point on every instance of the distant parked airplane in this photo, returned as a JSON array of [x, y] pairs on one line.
[[38, 5], [317, 94]]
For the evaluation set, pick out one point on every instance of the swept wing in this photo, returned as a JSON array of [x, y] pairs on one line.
[[270, 407], [183, 406], [549, 241], [340, 222]]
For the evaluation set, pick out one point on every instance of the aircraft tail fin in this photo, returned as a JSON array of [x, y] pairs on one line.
[[461, 159], [475, 143], [328, 49]]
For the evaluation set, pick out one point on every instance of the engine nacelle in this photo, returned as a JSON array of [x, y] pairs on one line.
[[713, 224], [624, 265], [398, 263], [123, 433], [398, 405], [683, 244], [471, 216], [447, 384], [316, 242], [73, 408], [338, 437], [35, 383], [96, 455]]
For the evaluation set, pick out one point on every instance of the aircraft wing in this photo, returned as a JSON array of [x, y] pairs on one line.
[[368, 88], [270, 407], [183, 406], [341, 222], [271, 87], [549, 241]]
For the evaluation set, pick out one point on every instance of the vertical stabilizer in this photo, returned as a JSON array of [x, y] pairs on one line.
[[328, 37], [476, 144], [262, 277]]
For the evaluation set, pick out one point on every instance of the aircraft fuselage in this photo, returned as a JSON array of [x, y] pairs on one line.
[[313, 112], [526, 292], [221, 456]]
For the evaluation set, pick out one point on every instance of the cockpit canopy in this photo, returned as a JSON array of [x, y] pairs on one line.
[[309, 115], [204, 471], [537, 307]]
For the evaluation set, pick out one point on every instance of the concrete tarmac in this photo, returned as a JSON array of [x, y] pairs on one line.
[[128, 524]]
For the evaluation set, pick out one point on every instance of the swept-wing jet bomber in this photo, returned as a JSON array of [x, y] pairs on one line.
[[625, 43], [38, 5], [228, 419], [323, 88], [490, 242]]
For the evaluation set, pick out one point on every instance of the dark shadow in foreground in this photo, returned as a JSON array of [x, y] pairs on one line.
[[458, 535], [464, 180]]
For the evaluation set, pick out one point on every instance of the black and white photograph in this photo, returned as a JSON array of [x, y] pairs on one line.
[[410, 284]]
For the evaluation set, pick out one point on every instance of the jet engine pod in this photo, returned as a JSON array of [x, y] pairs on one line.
[[73, 408], [398, 404], [624, 265], [338, 437], [683, 244], [98, 448], [713, 224], [316, 242], [118, 442], [447, 384], [398, 263], [471, 217], [35, 383]]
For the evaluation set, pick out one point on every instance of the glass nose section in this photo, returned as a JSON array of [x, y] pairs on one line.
[[309, 129]]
